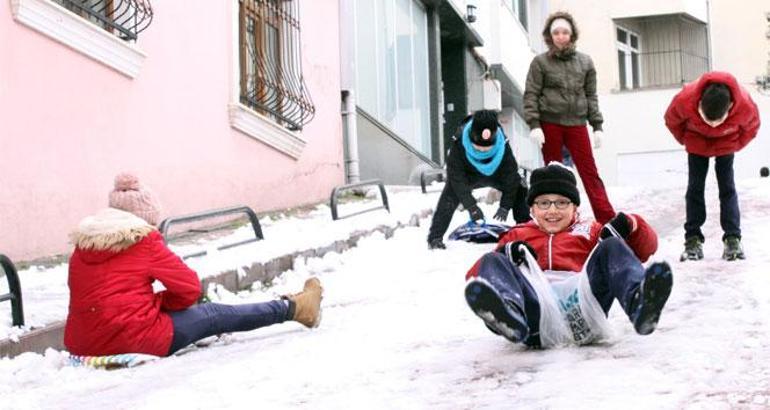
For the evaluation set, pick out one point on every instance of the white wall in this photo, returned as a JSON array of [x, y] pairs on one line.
[[738, 38], [505, 40], [639, 149], [623, 9]]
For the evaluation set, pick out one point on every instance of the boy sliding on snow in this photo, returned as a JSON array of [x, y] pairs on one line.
[[551, 281], [712, 117]]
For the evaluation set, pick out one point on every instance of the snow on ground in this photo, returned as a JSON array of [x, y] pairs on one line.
[[396, 333], [46, 296]]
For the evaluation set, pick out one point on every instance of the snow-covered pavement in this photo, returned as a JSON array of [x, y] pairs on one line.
[[396, 333]]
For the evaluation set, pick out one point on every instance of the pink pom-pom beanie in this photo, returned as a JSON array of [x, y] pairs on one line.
[[131, 196]]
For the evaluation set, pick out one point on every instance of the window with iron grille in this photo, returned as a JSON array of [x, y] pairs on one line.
[[661, 51], [271, 80], [123, 18]]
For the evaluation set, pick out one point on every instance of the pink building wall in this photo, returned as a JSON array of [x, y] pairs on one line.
[[68, 124]]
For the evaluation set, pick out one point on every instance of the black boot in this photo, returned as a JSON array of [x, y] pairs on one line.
[[436, 243], [501, 315], [649, 299], [733, 249], [693, 249]]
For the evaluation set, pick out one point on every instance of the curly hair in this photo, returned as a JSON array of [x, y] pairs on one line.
[[547, 27]]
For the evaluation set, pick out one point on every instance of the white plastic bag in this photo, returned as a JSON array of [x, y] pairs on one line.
[[569, 312]]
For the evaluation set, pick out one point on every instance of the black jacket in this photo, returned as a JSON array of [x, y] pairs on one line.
[[463, 177]]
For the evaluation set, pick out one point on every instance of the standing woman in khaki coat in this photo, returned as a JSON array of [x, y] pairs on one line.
[[559, 98]]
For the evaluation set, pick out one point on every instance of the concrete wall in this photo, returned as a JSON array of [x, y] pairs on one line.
[[739, 41], [638, 148], [597, 30], [505, 40], [382, 157], [68, 124]]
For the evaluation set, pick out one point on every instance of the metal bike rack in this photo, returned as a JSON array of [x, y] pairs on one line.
[[253, 220], [14, 289], [335, 193], [429, 175]]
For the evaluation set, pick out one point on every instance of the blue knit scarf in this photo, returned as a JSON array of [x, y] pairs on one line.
[[480, 159]]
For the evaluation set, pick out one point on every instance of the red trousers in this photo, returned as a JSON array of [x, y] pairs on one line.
[[575, 138]]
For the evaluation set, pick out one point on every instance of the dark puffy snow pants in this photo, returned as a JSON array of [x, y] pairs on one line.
[[614, 273]]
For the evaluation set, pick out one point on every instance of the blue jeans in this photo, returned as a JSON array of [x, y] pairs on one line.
[[209, 319], [614, 273], [729, 212]]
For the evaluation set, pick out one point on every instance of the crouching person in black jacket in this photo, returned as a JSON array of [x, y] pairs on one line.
[[479, 157]]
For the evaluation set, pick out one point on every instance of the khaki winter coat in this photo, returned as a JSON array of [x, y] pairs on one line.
[[561, 89]]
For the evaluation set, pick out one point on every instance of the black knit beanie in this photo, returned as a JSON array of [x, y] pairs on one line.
[[553, 179], [484, 119]]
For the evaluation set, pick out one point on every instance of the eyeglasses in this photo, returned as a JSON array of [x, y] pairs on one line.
[[545, 204]]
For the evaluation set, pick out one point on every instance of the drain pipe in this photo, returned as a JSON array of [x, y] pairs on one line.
[[347, 25], [349, 119]]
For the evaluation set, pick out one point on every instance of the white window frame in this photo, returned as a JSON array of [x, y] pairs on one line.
[[248, 121], [627, 49], [66, 27]]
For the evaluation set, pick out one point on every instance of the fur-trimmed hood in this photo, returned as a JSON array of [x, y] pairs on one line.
[[568, 52], [110, 230]]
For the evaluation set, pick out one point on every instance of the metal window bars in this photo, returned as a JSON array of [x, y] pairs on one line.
[[124, 18], [271, 65]]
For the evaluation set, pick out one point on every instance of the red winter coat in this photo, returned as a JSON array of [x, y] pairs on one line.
[[683, 120], [568, 250], [113, 308]]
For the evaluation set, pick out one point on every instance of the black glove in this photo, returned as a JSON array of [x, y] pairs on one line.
[[475, 213], [515, 253], [501, 214], [619, 226]]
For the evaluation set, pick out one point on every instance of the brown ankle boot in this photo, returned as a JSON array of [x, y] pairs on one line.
[[307, 304]]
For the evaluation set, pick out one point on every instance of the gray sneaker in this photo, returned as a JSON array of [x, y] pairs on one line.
[[733, 249], [693, 249]]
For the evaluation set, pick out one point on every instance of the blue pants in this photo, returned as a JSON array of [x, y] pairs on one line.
[[729, 212], [614, 273], [209, 319]]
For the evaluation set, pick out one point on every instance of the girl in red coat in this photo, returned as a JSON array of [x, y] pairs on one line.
[[712, 117], [552, 280], [113, 309]]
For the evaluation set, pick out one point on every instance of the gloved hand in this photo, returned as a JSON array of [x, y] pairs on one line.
[[537, 136], [620, 226], [475, 213], [515, 252], [501, 214], [598, 136]]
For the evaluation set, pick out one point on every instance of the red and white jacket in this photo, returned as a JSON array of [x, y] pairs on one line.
[[113, 308], [568, 250], [689, 129]]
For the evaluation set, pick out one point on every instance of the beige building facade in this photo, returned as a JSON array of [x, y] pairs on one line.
[[644, 52]]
